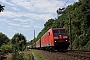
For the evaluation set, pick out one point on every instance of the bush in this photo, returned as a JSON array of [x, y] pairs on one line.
[[6, 49], [25, 55], [17, 56], [87, 46]]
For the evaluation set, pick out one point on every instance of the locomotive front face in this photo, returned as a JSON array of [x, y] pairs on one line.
[[60, 35], [60, 38]]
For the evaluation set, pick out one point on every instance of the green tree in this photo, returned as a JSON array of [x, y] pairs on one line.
[[1, 8], [19, 41], [3, 39], [49, 24], [6, 48]]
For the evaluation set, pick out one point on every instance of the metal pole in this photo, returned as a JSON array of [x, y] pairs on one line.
[[34, 39], [70, 27], [34, 34]]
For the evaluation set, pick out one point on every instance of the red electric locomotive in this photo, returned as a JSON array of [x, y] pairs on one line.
[[55, 39]]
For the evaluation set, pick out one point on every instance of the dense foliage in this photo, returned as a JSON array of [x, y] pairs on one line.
[[18, 44], [4, 46], [14, 46], [1, 8], [19, 41], [79, 13], [3, 39]]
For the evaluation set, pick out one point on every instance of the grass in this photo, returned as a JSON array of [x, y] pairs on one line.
[[25, 55], [38, 56]]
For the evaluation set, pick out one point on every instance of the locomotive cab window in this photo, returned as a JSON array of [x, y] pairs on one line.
[[62, 31], [59, 31], [55, 31]]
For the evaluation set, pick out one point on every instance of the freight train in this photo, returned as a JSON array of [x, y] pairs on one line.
[[53, 39]]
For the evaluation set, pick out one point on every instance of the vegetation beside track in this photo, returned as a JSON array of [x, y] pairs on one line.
[[38, 56]]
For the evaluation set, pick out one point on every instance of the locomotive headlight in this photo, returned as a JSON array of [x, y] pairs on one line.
[[66, 40], [55, 37], [55, 41], [65, 36]]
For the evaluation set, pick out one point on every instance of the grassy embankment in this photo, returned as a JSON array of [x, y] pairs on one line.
[[26, 55], [38, 56]]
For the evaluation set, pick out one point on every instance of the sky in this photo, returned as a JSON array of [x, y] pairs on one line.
[[25, 16]]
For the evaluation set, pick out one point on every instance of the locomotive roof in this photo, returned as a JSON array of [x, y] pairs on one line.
[[55, 28]]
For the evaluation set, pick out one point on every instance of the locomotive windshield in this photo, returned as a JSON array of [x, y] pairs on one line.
[[59, 31]]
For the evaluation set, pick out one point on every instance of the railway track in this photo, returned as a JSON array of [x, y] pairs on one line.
[[77, 54], [70, 55]]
